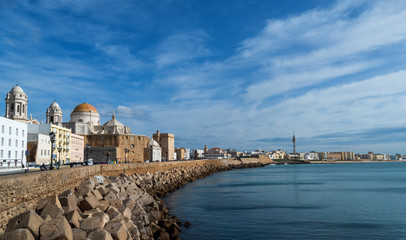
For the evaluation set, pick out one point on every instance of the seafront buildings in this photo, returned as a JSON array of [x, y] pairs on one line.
[[26, 141], [13, 143]]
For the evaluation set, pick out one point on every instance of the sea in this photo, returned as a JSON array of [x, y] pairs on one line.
[[309, 201]]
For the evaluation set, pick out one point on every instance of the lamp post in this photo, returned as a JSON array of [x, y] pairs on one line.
[[126, 150], [53, 139], [87, 153], [59, 162]]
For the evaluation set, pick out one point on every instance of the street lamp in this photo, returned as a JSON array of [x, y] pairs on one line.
[[59, 150], [87, 153], [126, 150], [53, 139]]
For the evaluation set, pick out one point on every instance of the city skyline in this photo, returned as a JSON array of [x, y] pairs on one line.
[[231, 74]]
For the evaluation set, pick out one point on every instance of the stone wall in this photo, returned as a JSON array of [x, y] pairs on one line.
[[19, 193]]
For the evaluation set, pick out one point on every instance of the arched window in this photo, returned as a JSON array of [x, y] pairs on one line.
[[12, 107], [18, 109]]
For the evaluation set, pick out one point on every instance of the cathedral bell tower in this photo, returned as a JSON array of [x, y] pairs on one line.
[[54, 114], [16, 104]]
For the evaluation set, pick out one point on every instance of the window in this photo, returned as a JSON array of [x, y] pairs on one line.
[[9, 131], [2, 128], [23, 133], [15, 155], [22, 154], [16, 131], [16, 143], [9, 142], [9, 154], [22, 143], [42, 152], [1, 154], [2, 141]]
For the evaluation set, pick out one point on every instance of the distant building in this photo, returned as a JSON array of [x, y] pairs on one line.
[[39, 149], [54, 114], [167, 143], [84, 120], [155, 152], [77, 146], [216, 153], [61, 147], [13, 142], [196, 154], [16, 104], [341, 156], [311, 156], [182, 153]]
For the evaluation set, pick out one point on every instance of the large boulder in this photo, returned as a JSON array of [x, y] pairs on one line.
[[28, 220], [18, 234], [56, 229]]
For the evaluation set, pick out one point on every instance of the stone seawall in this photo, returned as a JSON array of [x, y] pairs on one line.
[[19, 193]]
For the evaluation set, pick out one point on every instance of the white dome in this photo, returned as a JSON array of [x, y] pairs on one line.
[[153, 143], [17, 89], [54, 105]]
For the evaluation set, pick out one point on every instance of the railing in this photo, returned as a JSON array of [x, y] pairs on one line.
[[10, 163]]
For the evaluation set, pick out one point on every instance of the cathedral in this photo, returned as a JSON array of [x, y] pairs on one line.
[[112, 141]]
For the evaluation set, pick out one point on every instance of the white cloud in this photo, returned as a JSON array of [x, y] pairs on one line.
[[181, 47]]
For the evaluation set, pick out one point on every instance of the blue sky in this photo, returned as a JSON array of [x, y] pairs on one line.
[[240, 74]]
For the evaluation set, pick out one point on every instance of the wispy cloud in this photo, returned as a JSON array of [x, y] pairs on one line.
[[334, 73]]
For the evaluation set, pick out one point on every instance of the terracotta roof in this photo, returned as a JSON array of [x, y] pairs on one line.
[[85, 107]]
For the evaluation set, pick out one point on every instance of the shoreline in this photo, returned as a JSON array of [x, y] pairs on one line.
[[125, 206], [354, 161]]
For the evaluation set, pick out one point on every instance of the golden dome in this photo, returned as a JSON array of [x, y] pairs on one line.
[[85, 107]]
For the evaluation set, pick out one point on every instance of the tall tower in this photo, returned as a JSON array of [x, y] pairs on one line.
[[205, 148], [16, 104], [294, 142], [54, 114]]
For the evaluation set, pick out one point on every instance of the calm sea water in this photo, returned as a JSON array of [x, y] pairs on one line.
[[317, 201]]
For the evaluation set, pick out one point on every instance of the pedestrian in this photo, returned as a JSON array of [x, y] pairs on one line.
[[43, 167]]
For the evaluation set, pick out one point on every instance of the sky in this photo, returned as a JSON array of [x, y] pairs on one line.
[[229, 74]]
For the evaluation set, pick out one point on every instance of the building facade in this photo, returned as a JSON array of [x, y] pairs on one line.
[[136, 146], [77, 148], [167, 143], [155, 152], [13, 143], [39, 149], [216, 153], [60, 150]]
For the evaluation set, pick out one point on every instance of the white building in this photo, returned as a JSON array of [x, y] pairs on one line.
[[216, 153], [311, 156], [197, 153], [186, 155], [13, 143], [61, 147], [54, 114], [16, 104], [155, 152], [39, 146]]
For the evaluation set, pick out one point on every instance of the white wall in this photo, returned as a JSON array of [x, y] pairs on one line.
[[13, 144]]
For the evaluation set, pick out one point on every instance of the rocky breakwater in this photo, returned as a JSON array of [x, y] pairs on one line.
[[120, 207]]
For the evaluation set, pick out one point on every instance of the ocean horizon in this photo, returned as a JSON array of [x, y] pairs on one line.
[[312, 201]]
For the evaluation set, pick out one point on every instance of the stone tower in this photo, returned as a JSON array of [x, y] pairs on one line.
[[54, 114], [16, 104], [294, 142]]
